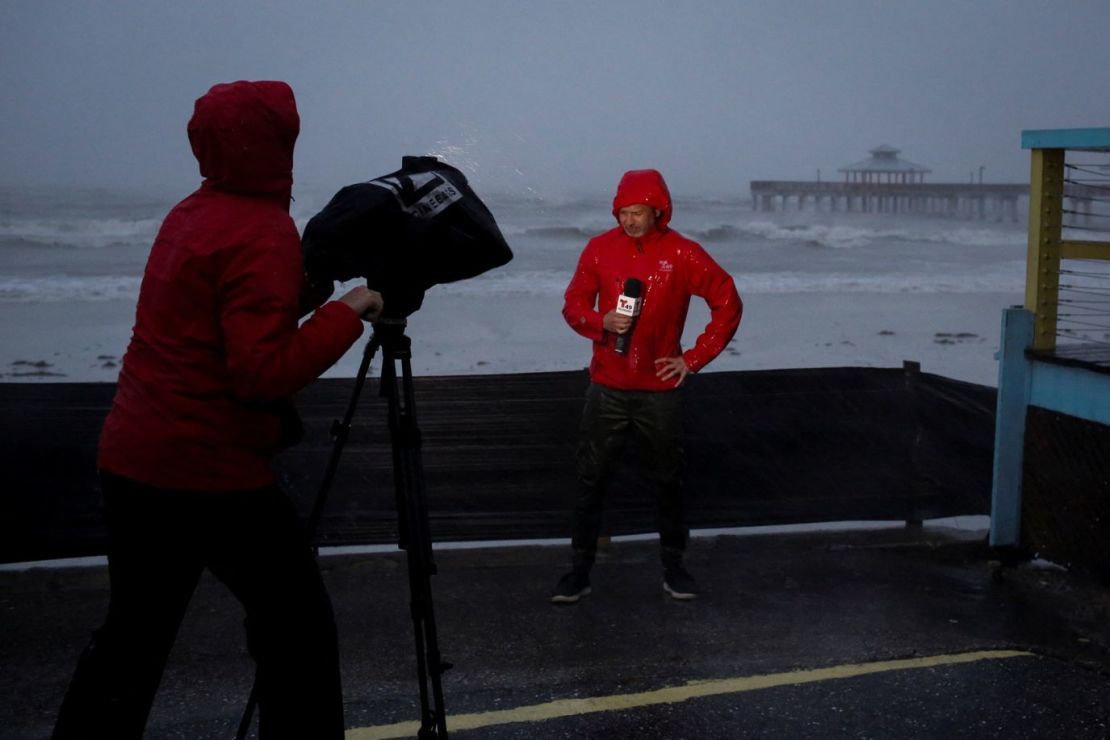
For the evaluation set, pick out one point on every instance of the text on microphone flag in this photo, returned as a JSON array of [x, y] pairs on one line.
[[628, 306]]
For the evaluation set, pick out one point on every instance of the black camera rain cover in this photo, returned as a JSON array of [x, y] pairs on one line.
[[404, 232]]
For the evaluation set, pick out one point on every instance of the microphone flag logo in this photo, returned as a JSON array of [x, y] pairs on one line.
[[628, 306]]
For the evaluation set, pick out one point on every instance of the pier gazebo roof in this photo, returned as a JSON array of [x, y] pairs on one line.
[[884, 165], [884, 159]]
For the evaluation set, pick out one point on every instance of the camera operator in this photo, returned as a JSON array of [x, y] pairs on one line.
[[202, 404]]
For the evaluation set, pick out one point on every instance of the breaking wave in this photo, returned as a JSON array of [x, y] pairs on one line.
[[64, 288], [845, 236], [79, 233], [1004, 278]]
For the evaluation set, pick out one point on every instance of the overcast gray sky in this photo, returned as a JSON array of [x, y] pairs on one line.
[[554, 97]]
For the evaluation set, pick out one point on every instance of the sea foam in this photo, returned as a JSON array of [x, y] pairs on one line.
[[79, 233], [53, 289]]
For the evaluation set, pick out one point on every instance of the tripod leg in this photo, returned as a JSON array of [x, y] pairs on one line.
[[415, 538], [340, 431], [419, 518]]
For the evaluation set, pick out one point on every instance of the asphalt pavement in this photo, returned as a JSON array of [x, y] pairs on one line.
[[883, 633]]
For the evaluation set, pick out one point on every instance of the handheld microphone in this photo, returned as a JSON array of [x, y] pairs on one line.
[[628, 304]]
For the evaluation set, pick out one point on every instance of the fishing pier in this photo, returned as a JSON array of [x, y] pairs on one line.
[[970, 201], [885, 183]]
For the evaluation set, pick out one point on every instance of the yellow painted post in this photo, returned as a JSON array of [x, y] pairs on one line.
[[1042, 271]]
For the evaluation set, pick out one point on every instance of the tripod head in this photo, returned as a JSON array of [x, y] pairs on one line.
[[389, 334]]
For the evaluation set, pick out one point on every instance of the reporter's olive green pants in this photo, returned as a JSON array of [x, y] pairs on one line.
[[609, 417]]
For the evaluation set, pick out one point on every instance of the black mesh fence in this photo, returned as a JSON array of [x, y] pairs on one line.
[[1065, 514], [763, 447]]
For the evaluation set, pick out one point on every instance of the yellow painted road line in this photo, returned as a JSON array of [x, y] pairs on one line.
[[675, 694]]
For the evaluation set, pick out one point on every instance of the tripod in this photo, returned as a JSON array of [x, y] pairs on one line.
[[412, 514]]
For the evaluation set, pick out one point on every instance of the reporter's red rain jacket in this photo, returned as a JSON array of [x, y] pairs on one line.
[[216, 352], [672, 268]]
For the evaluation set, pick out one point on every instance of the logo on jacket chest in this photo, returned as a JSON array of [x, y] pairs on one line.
[[666, 265]]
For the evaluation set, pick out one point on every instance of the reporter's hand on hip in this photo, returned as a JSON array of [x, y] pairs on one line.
[[667, 368], [365, 302]]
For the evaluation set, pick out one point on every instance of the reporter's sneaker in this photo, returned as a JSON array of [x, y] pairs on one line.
[[571, 587], [679, 584]]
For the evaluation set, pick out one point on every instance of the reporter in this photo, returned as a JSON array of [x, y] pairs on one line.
[[640, 391]]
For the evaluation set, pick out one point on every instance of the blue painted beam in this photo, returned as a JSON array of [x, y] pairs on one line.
[[1024, 381], [1071, 390], [1009, 427], [1085, 139]]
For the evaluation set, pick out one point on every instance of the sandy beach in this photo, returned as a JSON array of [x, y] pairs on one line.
[[954, 335]]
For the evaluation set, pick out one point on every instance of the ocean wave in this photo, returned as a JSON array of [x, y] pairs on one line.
[[822, 235], [515, 285], [714, 234], [80, 233], [972, 237], [578, 233], [53, 289], [844, 236], [511, 283], [832, 236], [1005, 279]]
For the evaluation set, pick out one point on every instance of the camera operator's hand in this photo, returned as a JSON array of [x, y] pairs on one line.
[[365, 302]]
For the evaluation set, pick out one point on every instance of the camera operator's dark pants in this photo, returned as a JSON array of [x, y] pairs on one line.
[[254, 542], [608, 418]]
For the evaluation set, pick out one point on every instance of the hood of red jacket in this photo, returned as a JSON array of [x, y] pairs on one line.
[[644, 187], [243, 133]]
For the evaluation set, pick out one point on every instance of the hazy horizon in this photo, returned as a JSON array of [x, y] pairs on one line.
[[554, 98]]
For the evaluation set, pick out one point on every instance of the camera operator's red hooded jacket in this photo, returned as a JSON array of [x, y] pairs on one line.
[[216, 352], [672, 268]]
